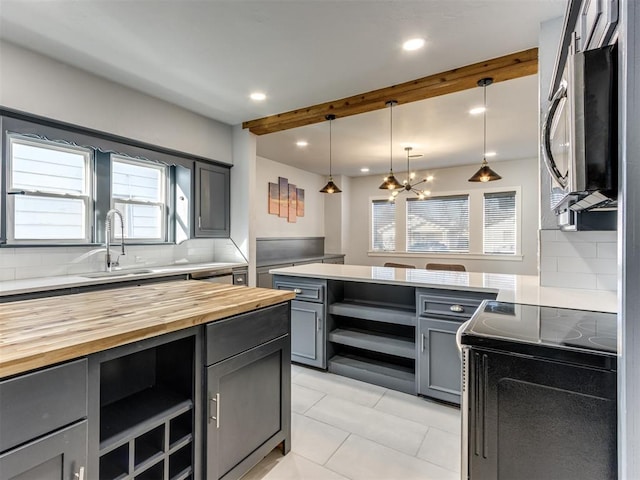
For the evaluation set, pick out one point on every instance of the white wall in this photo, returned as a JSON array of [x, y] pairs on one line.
[[36, 84], [337, 217], [267, 225], [519, 174]]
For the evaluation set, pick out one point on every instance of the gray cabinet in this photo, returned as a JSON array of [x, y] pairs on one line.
[[43, 428], [212, 207], [438, 365], [248, 388], [307, 333], [308, 321], [59, 455]]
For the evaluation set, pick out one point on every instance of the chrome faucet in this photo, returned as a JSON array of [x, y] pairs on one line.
[[109, 264]]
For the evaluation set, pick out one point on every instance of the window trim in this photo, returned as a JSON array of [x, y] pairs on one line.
[[165, 184], [87, 198]]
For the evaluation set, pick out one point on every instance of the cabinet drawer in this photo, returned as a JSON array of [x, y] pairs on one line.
[[304, 291], [37, 403], [457, 305], [234, 335]]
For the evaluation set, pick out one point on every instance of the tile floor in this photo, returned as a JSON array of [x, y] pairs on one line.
[[345, 429]]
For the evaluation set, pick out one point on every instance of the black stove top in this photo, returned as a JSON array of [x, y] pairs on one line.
[[558, 328]]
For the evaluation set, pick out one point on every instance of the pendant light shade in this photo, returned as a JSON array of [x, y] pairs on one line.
[[330, 187], [390, 182], [485, 174]]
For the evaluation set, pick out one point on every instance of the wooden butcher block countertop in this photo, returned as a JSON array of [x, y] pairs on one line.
[[41, 332]]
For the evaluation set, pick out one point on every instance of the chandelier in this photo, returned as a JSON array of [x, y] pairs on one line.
[[407, 186]]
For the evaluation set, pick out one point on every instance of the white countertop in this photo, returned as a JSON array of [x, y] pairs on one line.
[[30, 285], [510, 288]]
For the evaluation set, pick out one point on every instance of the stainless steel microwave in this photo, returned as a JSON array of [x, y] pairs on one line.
[[580, 133]]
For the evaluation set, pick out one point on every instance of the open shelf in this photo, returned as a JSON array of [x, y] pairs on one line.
[[377, 312], [389, 375], [375, 341], [131, 416], [180, 463]]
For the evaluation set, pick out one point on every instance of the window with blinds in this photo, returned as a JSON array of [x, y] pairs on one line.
[[383, 225], [439, 224], [500, 223], [49, 191], [138, 192]]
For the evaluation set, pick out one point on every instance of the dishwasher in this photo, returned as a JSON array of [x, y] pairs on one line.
[[215, 276]]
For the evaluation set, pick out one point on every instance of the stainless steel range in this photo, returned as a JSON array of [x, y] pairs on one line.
[[539, 393]]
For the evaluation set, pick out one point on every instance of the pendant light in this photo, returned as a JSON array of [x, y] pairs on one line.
[[407, 185], [485, 174], [330, 187], [390, 182]]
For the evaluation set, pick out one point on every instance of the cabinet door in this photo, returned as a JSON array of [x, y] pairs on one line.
[[307, 333], [439, 365], [249, 401], [61, 455], [562, 416], [212, 201]]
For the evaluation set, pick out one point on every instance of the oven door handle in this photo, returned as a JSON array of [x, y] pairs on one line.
[[547, 154]]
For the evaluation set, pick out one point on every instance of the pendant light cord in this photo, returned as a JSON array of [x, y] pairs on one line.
[[391, 136], [484, 151], [330, 122]]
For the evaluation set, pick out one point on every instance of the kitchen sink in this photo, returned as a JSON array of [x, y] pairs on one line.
[[117, 273]]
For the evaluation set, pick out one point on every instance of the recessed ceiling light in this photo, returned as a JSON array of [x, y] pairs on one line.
[[490, 154], [302, 143], [477, 110], [413, 44], [364, 169], [258, 96]]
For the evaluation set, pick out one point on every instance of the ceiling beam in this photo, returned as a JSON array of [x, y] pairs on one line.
[[508, 67]]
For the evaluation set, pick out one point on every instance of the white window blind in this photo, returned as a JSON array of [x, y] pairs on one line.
[[383, 225], [500, 223], [439, 224], [49, 191], [138, 191]]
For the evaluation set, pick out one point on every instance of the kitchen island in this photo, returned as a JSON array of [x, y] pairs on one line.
[[396, 327], [161, 381]]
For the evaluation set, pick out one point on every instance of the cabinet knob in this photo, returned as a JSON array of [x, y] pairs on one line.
[[457, 308], [297, 291], [239, 280]]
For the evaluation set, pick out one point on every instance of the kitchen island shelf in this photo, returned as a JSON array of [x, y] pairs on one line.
[[377, 312], [137, 414], [375, 341], [389, 375]]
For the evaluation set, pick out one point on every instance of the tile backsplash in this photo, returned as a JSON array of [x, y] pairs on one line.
[[19, 263], [585, 260]]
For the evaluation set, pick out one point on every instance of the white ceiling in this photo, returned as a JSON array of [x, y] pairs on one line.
[[207, 56]]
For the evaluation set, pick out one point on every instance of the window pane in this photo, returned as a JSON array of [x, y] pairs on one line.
[[47, 168], [140, 221], [438, 224], [137, 182], [500, 223], [383, 229], [49, 218]]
